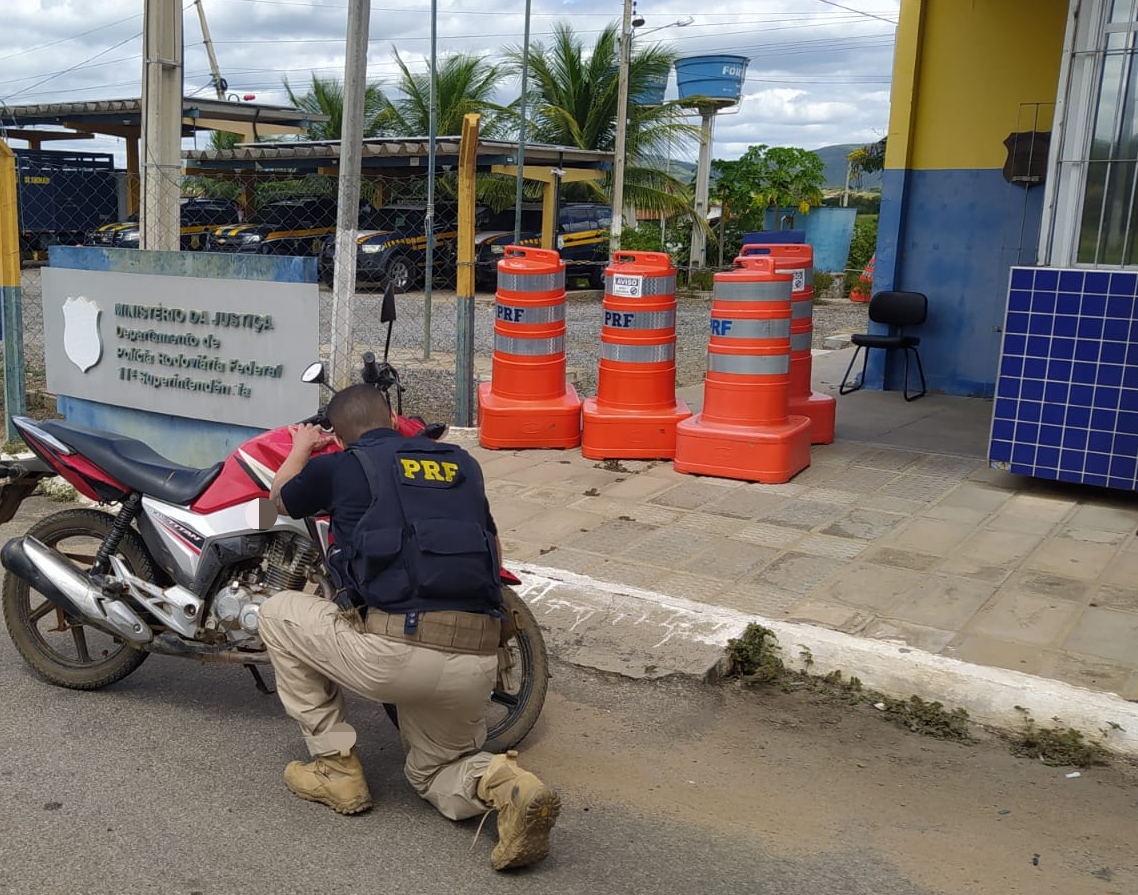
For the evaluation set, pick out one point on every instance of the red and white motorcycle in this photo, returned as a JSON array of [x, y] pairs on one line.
[[182, 565]]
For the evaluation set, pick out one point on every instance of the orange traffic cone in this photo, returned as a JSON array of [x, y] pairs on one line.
[[528, 403], [744, 430], [798, 261], [635, 411]]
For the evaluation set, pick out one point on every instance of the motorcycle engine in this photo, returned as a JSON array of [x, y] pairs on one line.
[[235, 610], [288, 562]]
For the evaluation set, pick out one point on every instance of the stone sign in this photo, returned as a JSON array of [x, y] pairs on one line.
[[215, 349]]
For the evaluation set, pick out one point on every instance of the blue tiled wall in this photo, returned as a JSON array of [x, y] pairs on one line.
[[1066, 403]]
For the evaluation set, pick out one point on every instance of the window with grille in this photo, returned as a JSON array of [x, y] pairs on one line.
[[1094, 200]]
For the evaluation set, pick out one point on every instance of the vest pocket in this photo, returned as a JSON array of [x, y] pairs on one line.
[[452, 559], [375, 552]]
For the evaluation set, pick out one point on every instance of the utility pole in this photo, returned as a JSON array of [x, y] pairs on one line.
[[219, 83], [162, 72], [621, 137], [348, 195]]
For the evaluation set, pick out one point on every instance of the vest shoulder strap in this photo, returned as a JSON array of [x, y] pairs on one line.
[[370, 472]]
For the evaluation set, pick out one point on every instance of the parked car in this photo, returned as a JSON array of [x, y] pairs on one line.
[[583, 231], [198, 216], [392, 245], [285, 227]]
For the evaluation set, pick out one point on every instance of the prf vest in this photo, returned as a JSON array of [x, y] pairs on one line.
[[423, 544]]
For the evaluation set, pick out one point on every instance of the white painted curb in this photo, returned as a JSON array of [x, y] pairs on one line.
[[991, 696]]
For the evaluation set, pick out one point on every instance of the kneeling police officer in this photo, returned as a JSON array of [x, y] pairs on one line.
[[418, 550]]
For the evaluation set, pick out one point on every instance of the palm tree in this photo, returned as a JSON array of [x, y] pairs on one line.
[[573, 95], [464, 84], [325, 96]]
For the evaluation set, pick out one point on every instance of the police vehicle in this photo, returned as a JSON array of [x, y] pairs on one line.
[[583, 232], [392, 245], [198, 216], [285, 227]]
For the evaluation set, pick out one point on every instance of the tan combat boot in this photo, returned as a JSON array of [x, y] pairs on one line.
[[335, 780], [527, 811]]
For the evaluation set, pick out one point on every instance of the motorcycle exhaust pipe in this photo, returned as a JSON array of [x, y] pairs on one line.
[[68, 588]]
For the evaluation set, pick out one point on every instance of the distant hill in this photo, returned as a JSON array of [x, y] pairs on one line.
[[833, 158]]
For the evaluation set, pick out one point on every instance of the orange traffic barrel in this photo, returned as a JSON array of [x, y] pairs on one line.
[[635, 411], [798, 261], [528, 403], [744, 430]]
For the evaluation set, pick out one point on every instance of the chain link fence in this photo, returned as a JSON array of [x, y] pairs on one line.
[[80, 200], [75, 199]]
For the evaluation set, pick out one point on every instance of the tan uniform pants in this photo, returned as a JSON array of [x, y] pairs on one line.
[[442, 697]]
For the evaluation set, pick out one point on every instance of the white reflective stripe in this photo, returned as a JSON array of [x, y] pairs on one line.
[[665, 285], [530, 347], [802, 308], [531, 282], [748, 364], [753, 291], [800, 341], [750, 329], [639, 354], [530, 313], [640, 319]]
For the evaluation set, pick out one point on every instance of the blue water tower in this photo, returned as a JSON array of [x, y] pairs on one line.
[[651, 93], [711, 80], [707, 84]]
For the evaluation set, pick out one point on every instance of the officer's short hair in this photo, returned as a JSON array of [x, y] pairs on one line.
[[358, 409]]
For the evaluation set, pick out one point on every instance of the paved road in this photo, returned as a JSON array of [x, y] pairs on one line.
[[169, 782]]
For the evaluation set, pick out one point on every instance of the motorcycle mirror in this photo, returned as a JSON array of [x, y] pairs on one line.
[[313, 374], [387, 309]]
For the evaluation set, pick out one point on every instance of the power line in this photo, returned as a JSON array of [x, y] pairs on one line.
[[868, 15], [77, 65], [72, 37]]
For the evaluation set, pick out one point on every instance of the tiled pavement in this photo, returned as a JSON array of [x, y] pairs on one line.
[[880, 538]]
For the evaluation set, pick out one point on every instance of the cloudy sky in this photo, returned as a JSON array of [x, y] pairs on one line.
[[819, 72]]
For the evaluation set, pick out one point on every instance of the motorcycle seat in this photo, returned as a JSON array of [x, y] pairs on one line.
[[133, 463]]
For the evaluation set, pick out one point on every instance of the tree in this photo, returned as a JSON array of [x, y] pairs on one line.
[[761, 178], [572, 101], [865, 159], [325, 96], [464, 84]]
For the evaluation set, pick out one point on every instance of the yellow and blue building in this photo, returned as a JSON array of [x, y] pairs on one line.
[[1010, 198]]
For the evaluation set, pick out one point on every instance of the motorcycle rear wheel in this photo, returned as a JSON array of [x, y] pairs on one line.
[[72, 654], [523, 681]]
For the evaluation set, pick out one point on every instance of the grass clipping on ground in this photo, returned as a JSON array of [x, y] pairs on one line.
[[755, 660]]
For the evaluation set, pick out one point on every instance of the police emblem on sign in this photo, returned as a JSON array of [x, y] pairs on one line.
[[82, 342]]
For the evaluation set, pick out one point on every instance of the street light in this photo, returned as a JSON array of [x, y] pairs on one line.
[[628, 25]]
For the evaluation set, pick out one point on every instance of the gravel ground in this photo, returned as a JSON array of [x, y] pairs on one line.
[[430, 387]]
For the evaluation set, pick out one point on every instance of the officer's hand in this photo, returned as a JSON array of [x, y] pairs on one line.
[[308, 438]]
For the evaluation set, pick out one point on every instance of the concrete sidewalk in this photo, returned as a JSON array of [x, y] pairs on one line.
[[898, 556]]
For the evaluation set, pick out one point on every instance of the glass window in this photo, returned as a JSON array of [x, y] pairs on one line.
[[1108, 224]]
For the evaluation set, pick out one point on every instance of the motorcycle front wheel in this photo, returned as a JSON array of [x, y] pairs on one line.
[[523, 680], [59, 648]]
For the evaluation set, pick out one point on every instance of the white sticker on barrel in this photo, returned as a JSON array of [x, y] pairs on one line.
[[799, 281], [628, 285]]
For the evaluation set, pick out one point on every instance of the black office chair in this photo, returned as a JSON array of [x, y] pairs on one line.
[[896, 310]]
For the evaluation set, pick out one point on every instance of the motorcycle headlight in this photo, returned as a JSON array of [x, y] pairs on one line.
[[497, 249], [371, 248]]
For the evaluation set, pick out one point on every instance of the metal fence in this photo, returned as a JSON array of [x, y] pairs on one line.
[[274, 215]]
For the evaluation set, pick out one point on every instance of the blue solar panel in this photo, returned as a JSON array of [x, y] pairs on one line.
[[1066, 403]]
